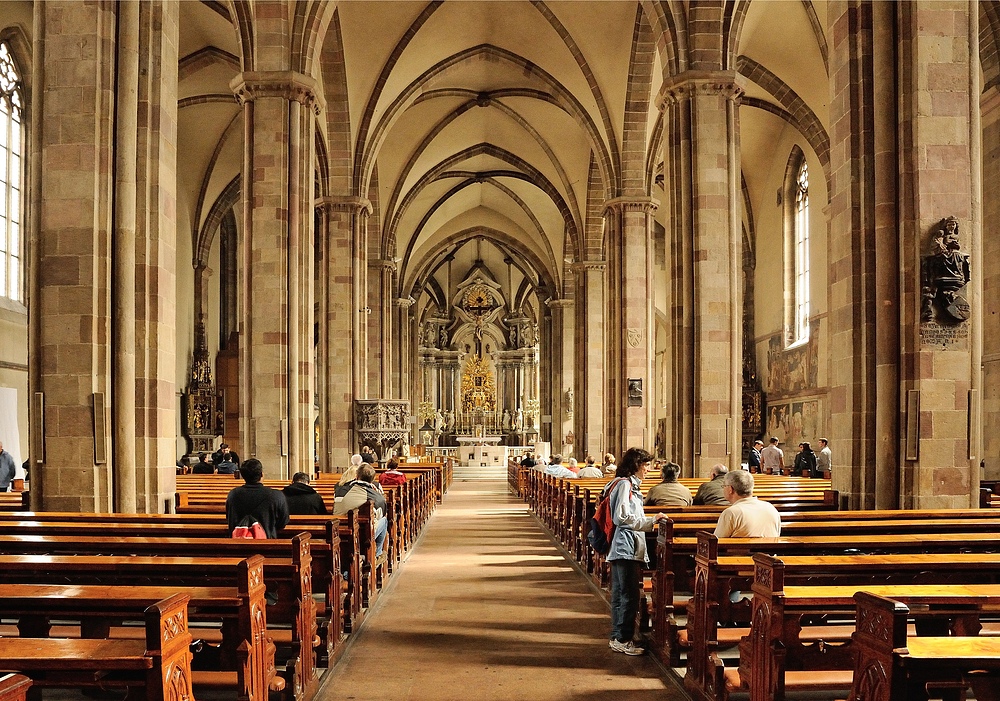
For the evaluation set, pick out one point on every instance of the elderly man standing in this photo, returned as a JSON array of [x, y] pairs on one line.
[[747, 516], [711, 493]]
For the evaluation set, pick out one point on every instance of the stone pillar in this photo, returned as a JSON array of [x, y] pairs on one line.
[[343, 294], [990, 109], [279, 108], [628, 233], [591, 352], [405, 348], [701, 146], [940, 145], [379, 325], [69, 337], [123, 261], [563, 342], [156, 257], [863, 262]]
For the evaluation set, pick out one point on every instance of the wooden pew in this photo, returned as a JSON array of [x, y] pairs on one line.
[[715, 578], [14, 687], [99, 609], [295, 603], [334, 544], [894, 667], [161, 662], [776, 644]]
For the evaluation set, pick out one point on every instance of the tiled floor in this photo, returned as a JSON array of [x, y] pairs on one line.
[[486, 607]]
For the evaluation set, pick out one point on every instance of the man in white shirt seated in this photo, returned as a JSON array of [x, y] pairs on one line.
[[747, 516], [557, 469]]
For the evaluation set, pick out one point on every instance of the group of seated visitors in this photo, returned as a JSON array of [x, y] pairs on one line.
[[571, 469], [271, 508], [224, 462]]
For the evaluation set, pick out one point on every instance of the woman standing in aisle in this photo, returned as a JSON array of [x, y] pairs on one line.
[[628, 547]]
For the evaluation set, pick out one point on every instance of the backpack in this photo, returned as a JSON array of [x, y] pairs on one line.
[[249, 528], [391, 478], [602, 526]]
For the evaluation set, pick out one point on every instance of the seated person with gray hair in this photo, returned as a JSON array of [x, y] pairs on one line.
[[669, 492], [747, 516], [711, 493]]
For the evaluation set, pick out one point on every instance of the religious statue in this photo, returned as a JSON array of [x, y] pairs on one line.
[[505, 421], [443, 338], [518, 421], [569, 403], [449, 421], [944, 273], [513, 337], [438, 421], [429, 336]]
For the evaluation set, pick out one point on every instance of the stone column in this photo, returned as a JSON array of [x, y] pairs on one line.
[[379, 325], [628, 232], [863, 259], [940, 151], [563, 343], [280, 108], [590, 376], [70, 335], [990, 109], [704, 258], [123, 262], [403, 357], [343, 294], [156, 256]]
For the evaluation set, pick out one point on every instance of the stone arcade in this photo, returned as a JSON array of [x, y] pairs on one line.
[[595, 225]]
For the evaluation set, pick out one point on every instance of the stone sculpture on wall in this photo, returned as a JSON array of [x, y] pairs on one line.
[[944, 274]]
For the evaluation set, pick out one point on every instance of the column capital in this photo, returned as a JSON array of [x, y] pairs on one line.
[[290, 85], [346, 203], [560, 303], [405, 302], [684, 86], [646, 205], [387, 265], [591, 265]]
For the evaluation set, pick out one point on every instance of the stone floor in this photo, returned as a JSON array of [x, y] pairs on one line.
[[487, 607]]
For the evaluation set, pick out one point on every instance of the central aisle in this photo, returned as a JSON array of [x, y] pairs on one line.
[[486, 607]]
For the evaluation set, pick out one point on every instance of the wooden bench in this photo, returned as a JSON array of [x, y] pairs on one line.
[[894, 667], [161, 663], [676, 544], [14, 687], [295, 606], [334, 544], [101, 611], [776, 642], [715, 579]]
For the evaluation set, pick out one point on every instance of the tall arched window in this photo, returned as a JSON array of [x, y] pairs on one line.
[[11, 169], [802, 254], [796, 223]]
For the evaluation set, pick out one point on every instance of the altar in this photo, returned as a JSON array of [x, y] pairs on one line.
[[481, 451], [478, 440]]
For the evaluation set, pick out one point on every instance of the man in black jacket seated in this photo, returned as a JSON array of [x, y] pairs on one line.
[[302, 498], [266, 505]]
